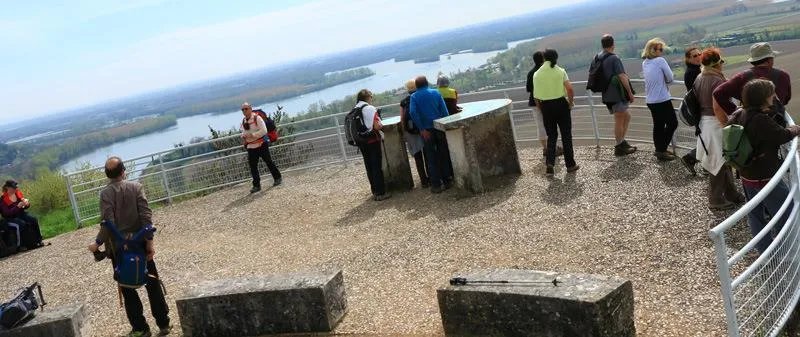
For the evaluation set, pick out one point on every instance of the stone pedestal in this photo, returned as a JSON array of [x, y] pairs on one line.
[[396, 168], [580, 305], [481, 142], [254, 306], [65, 321]]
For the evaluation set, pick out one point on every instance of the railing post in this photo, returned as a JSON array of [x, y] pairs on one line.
[[164, 178], [73, 201], [341, 139], [725, 283], [511, 116], [594, 118]]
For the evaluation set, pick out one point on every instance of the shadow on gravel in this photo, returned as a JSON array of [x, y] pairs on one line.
[[420, 203], [247, 199], [673, 174], [622, 168], [563, 192]]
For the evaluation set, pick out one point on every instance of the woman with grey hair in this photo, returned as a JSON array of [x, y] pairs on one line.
[[450, 95]]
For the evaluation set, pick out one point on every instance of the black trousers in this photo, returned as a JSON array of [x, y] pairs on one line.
[[437, 156], [558, 116], [372, 162], [253, 155], [665, 122], [419, 160], [158, 304]]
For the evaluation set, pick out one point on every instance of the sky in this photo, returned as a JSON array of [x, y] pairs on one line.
[[58, 55]]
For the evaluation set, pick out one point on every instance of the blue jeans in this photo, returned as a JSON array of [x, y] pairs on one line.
[[771, 204], [437, 155]]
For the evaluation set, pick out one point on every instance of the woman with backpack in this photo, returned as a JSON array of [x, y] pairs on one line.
[[371, 150], [555, 97], [411, 135], [657, 77], [14, 208], [254, 133], [722, 192], [765, 136]]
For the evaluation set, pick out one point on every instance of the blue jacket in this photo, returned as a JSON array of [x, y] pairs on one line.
[[426, 105]]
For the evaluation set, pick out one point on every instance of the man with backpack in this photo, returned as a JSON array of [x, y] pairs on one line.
[[255, 133], [425, 106], [124, 204], [607, 75], [762, 57]]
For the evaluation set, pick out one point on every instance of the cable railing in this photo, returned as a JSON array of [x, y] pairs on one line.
[[759, 293]]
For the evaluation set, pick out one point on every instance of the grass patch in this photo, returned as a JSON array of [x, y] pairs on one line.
[[57, 222]]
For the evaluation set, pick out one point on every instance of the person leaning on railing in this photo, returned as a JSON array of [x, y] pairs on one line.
[[554, 98], [766, 136], [692, 58], [414, 141], [657, 77], [722, 192]]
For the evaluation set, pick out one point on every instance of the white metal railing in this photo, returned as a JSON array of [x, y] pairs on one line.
[[760, 290]]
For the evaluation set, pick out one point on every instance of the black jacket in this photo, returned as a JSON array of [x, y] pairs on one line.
[[692, 71]]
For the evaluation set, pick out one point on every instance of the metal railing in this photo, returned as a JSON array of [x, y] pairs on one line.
[[760, 291]]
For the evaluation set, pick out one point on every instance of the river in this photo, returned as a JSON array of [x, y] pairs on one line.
[[388, 75]]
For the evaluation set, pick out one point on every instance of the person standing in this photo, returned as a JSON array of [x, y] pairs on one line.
[[722, 192], [692, 58], [657, 77], [124, 204], [538, 60], [554, 97], [411, 135], [427, 105], [371, 151], [618, 96], [254, 132], [765, 136], [762, 57]]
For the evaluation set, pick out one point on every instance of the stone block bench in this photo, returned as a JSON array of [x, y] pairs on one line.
[[254, 306], [578, 305], [481, 142], [396, 167], [66, 321]]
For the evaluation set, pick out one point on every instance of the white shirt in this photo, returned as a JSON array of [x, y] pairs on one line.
[[368, 114]]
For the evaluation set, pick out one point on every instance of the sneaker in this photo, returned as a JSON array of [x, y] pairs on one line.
[[623, 150], [664, 156], [722, 207], [573, 169], [437, 189], [139, 334], [165, 330], [628, 146], [382, 197], [688, 162], [277, 182], [550, 171], [255, 189]]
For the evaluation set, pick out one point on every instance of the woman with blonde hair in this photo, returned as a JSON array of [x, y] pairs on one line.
[[657, 77], [722, 192], [411, 135]]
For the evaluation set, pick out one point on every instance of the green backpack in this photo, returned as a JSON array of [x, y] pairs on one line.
[[736, 146]]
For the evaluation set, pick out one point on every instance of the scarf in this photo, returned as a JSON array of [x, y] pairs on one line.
[[711, 71]]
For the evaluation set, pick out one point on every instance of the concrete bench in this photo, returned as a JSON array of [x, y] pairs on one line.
[[396, 168], [481, 142], [579, 305], [66, 321], [255, 306]]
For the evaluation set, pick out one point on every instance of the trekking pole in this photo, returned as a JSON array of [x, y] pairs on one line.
[[460, 281]]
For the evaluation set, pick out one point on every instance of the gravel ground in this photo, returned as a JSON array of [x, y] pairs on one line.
[[631, 217]]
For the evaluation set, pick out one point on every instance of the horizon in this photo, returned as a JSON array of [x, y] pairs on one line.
[[105, 65]]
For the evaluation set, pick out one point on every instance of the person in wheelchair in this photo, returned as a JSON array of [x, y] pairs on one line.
[[13, 208]]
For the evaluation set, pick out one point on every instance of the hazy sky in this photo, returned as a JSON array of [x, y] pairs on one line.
[[61, 54]]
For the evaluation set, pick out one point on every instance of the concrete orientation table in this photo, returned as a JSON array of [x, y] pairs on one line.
[[481, 142], [395, 164]]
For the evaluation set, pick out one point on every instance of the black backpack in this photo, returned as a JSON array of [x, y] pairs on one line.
[[691, 109], [598, 82], [354, 128], [22, 308], [409, 125]]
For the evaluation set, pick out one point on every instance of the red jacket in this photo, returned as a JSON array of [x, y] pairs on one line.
[[10, 209]]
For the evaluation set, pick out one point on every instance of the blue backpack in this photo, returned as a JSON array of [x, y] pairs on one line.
[[130, 257]]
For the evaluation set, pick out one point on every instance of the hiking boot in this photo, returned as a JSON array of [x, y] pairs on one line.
[[664, 156], [140, 334], [382, 197], [550, 171], [165, 330], [622, 150], [277, 182], [628, 146], [689, 162], [573, 168], [255, 189], [722, 207], [437, 189]]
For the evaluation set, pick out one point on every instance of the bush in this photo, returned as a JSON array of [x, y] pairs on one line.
[[48, 192]]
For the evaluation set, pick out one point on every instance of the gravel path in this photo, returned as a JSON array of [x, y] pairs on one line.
[[634, 218]]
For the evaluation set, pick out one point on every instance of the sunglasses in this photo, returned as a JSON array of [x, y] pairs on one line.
[[696, 55]]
